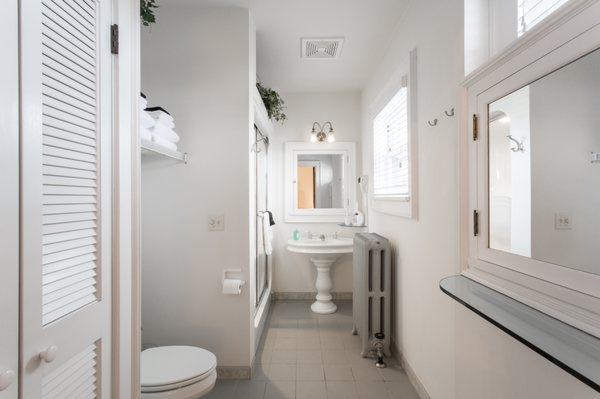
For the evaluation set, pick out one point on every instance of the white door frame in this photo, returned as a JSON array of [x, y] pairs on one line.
[[126, 261], [9, 199]]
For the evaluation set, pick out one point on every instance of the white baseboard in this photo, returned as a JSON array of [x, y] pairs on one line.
[[412, 376]]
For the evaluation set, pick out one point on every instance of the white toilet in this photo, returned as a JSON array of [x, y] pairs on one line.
[[177, 372]]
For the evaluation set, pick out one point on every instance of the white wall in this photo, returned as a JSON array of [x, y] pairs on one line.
[[205, 84], [455, 353], [294, 272]]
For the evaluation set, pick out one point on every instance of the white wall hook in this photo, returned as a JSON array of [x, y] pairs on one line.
[[49, 354], [433, 122], [449, 113]]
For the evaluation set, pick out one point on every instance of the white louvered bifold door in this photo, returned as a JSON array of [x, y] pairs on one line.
[[66, 196]]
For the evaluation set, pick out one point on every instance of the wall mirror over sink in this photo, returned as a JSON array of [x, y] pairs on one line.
[[319, 181], [534, 176]]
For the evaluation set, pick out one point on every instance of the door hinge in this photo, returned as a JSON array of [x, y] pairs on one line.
[[475, 127], [475, 223], [114, 39]]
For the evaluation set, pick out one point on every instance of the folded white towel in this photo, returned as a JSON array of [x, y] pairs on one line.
[[267, 231], [145, 134], [143, 103], [159, 114], [164, 143], [165, 122], [146, 121], [165, 133]]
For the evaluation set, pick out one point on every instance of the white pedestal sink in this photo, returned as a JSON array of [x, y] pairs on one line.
[[323, 254]]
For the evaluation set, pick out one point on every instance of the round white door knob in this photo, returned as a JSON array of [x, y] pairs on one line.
[[6, 379], [49, 354]]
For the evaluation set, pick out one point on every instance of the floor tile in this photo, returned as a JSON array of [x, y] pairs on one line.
[[364, 373], [309, 356], [401, 390], [281, 372], [332, 343], [311, 390], [280, 390], [393, 373], [249, 389], [224, 389], [283, 356], [259, 372], [263, 356], [285, 343], [308, 343], [341, 390], [371, 390], [334, 357], [338, 373], [313, 372]]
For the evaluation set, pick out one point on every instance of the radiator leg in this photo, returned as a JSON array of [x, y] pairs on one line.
[[323, 304], [354, 330]]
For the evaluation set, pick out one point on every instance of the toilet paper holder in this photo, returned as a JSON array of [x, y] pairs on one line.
[[236, 274]]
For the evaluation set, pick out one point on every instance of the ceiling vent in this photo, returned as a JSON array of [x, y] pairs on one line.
[[322, 48]]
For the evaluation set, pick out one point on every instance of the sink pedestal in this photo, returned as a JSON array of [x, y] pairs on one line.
[[322, 254], [323, 304]]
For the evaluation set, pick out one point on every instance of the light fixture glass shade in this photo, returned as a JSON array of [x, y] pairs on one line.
[[330, 138], [313, 138]]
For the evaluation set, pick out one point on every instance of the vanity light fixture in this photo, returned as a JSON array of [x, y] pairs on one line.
[[321, 133]]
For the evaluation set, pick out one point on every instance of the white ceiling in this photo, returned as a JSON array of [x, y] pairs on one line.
[[366, 26], [280, 24]]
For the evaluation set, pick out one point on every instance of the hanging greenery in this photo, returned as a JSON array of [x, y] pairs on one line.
[[273, 102], [147, 11]]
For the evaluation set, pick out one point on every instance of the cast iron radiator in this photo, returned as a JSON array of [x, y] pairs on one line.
[[371, 310]]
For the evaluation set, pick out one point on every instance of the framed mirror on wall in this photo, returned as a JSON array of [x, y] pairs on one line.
[[533, 174], [319, 181]]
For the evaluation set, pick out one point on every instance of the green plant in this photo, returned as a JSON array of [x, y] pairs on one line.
[[147, 11], [273, 102]]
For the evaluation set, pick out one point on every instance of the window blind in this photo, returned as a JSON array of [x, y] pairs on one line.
[[533, 11], [390, 148]]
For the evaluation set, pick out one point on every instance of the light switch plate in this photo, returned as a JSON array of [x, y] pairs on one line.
[[216, 223], [563, 221]]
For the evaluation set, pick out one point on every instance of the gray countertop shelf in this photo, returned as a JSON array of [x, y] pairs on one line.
[[571, 349]]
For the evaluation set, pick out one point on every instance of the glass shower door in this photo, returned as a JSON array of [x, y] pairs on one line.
[[261, 170]]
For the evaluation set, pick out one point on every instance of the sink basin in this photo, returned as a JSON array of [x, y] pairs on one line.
[[319, 247], [323, 254]]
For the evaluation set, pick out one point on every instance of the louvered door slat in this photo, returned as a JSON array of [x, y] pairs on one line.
[[76, 217], [67, 44], [72, 253], [67, 236], [62, 142], [77, 374], [54, 22], [68, 199], [52, 180], [67, 281], [53, 72], [68, 154], [67, 163], [68, 95], [82, 286], [67, 263], [70, 296], [64, 19], [53, 131], [63, 274], [68, 13]]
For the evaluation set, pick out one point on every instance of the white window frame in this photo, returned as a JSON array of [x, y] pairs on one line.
[[399, 205], [567, 294]]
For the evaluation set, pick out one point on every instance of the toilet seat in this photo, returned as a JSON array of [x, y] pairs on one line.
[[168, 368]]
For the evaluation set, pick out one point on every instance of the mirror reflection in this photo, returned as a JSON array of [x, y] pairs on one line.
[[320, 181], [544, 176]]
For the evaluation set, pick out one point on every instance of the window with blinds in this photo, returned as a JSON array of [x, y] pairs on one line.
[[390, 148], [532, 12]]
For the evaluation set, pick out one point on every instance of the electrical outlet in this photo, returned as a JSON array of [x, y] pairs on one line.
[[216, 223], [563, 221]]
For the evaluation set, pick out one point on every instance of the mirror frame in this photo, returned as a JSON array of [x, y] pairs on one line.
[[320, 215]]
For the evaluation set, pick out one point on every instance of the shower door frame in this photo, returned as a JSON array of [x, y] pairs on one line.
[[261, 144]]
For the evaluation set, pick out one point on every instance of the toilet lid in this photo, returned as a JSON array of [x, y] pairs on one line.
[[174, 365]]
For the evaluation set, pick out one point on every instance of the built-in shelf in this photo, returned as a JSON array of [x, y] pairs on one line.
[[573, 350], [351, 225], [151, 147]]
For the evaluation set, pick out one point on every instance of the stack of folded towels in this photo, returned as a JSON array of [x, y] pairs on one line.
[[157, 125]]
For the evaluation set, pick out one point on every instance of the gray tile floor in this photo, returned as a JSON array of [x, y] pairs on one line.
[[308, 356]]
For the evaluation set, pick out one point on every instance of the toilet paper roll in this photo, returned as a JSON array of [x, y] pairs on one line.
[[232, 286]]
